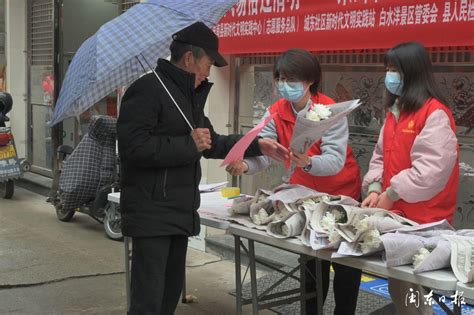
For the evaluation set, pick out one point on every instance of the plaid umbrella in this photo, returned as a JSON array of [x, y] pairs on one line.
[[110, 58]]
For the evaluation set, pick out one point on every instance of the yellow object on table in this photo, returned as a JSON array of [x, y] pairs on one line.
[[229, 192]]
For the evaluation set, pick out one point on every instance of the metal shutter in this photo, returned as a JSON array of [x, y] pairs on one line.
[[127, 4], [42, 32]]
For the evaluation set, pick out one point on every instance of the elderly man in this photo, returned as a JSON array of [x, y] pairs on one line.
[[161, 172]]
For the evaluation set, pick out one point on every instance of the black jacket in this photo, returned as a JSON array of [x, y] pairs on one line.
[[160, 169]]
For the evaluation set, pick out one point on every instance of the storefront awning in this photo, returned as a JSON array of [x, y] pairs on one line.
[[272, 26]]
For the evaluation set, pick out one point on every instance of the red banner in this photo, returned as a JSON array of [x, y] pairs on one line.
[[262, 26]]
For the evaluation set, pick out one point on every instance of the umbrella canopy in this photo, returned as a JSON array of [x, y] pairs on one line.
[[110, 58]]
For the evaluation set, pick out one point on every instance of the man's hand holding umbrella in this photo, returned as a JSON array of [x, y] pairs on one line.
[[202, 138]]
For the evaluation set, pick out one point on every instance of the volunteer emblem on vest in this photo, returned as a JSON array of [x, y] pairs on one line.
[[410, 127]]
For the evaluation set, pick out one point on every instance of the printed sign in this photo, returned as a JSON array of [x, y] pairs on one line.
[[9, 164], [262, 26]]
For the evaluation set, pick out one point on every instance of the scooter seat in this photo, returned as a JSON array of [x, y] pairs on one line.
[[65, 149]]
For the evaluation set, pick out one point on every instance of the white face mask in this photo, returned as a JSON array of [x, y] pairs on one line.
[[394, 83], [292, 91]]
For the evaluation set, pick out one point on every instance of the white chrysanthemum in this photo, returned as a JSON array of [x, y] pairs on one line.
[[338, 215], [318, 112], [279, 216], [322, 111], [370, 240], [328, 221], [364, 224], [420, 255], [260, 217], [334, 237], [312, 115], [309, 203], [325, 198], [316, 200]]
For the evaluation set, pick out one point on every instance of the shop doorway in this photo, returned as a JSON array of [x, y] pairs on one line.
[[57, 28], [41, 83], [73, 32]]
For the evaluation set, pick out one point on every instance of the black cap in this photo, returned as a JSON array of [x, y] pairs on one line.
[[198, 34]]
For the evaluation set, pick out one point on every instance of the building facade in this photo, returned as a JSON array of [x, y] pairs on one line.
[[40, 37]]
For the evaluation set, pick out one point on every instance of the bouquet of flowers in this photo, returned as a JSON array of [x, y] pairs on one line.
[[261, 210], [361, 232], [322, 225], [369, 233], [325, 217], [312, 124]]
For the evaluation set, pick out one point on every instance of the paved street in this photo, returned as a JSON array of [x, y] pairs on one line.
[[47, 266]]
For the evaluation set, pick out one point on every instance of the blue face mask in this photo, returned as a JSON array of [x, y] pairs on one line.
[[394, 83], [291, 91]]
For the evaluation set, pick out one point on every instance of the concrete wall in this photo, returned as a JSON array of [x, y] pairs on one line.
[[16, 30]]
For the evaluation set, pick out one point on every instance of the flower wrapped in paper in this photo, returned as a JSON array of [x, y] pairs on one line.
[[290, 226], [311, 124], [403, 244], [294, 205], [291, 203], [356, 231], [261, 210], [462, 256], [322, 225]]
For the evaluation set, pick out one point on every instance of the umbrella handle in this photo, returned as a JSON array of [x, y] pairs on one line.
[[167, 91]]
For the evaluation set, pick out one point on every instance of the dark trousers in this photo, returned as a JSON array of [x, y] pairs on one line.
[[346, 287], [158, 266]]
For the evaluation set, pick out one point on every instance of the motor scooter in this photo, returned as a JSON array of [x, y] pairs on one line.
[[86, 175], [11, 167]]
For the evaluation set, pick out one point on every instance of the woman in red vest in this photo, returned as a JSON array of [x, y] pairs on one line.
[[414, 168], [328, 166]]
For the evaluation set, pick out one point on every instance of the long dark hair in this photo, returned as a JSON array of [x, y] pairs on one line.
[[411, 60], [301, 65]]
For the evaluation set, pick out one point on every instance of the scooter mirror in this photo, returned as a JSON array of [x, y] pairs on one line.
[[6, 103]]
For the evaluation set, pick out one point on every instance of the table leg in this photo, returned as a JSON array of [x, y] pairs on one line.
[[457, 309], [302, 262], [253, 277], [319, 286], [127, 270], [238, 277]]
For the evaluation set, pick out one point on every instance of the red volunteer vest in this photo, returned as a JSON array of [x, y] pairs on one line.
[[398, 141], [347, 182]]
